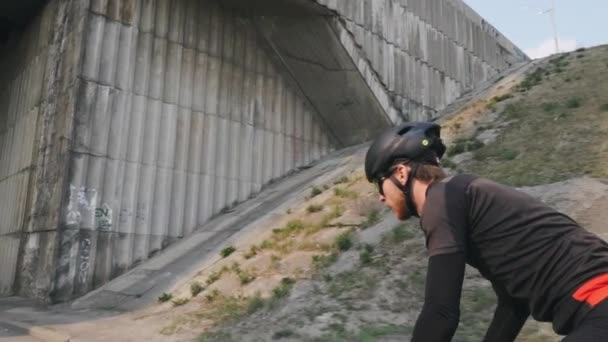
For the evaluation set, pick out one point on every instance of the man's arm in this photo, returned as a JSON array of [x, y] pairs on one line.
[[441, 311], [509, 317]]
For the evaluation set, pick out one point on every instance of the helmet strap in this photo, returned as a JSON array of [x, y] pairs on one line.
[[407, 189]]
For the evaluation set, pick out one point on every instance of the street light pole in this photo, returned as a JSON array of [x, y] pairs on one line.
[[554, 26], [551, 11]]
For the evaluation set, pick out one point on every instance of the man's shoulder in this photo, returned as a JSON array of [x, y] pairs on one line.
[[457, 186], [454, 181]]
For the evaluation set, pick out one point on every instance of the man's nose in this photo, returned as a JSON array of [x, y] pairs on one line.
[[382, 198]]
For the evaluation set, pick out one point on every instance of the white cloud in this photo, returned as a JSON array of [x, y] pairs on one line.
[[547, 47]]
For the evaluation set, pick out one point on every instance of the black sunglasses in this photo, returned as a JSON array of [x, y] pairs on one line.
[[386, 176], [379, 183]]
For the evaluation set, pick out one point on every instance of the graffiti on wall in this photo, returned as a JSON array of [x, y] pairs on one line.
[[83, 211], [81, 206], [103, 217], [85, 255]]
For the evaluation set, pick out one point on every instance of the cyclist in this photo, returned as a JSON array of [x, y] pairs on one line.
[[539, 261]]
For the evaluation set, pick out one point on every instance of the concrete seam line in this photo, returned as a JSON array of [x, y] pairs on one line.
[[43, 333]]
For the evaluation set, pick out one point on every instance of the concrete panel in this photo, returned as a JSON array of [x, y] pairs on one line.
[[222, 151], [191, 23], [197, 146], [226, 87], [187, 79], [206, 204], [203, 25], [268, 151], [126, 54], [258, 159], [143, 63], [9, 253], [180, 176], [157, 69], [236, 100], [162, 18], [108, 60], [216, 23], [177, 17], [246, 167], [147, 10], [212, 85], [249, 98], [234, 160], [173, 73], [94, 43], [277, 154], [191, 209]]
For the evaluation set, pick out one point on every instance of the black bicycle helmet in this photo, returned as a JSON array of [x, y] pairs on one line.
[[414, 141]]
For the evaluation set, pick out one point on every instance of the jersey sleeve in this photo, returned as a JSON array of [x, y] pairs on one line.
[[444, 221], [440, 314]]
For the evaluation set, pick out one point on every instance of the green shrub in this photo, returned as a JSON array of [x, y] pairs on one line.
[[253, 251], [180, 301], [227, 251], [341, 180], [549, 106], [502, 97], [283, 289], [313, 208], [293, 226], [246, 277], [507, 154], [344, 193], [400, 233], [373, 217], [196, 288], [165, 297], [282, 334], [460, 146], [365, 256], [315, 191], [446, 162], [322, 261], [255, 303], [514, 111], [573, 102], [344, 242]]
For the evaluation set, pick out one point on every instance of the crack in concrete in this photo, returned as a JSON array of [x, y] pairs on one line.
[[308, 61], [23, 170]]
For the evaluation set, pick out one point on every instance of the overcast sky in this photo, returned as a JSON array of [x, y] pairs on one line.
[[580, 23]]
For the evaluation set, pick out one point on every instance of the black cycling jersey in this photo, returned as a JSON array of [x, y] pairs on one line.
[[535, 256]]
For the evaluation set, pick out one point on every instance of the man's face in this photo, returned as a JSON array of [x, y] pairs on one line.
[[392, 196]]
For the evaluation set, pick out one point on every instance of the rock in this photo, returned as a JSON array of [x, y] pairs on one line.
[[584, 199]]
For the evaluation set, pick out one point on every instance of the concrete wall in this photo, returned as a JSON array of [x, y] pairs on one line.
[[21, 73], [127, 124], [37, 79], [425, 53], [180, 115], [309, 49]]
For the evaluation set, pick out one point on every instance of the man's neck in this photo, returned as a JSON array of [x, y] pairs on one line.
[[419, 195]]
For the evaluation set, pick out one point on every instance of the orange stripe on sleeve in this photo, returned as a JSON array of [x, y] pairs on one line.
[[593, 291]]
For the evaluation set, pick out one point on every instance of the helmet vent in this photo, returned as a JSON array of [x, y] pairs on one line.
[[404, 130]]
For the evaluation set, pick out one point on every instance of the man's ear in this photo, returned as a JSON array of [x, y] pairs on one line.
[[402, 173]]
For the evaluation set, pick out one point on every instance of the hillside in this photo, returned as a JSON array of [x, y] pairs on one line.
[[340, 268]]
